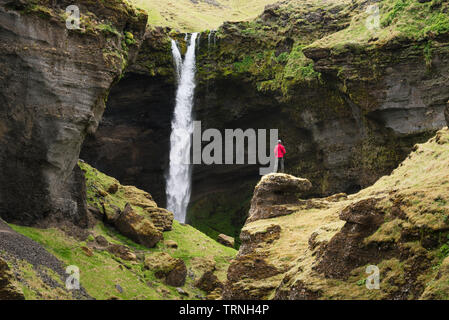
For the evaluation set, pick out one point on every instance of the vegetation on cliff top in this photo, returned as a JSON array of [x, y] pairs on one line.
[[101, 272], [199, 15], [116, 21], [398, 20]]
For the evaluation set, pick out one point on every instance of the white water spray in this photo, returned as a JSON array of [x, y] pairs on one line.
[[180, 174]]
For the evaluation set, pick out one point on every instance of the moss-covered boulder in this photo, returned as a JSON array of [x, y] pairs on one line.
[[137, 228], [164, 266]]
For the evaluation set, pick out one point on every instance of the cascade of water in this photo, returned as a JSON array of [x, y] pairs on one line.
[[179, 182], [209, 38], [198, 41], [177, 59]]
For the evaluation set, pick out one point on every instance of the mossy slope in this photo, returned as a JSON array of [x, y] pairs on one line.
[[315, 257], [102, 272]]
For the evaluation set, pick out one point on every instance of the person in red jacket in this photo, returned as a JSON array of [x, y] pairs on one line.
[[279, 152]]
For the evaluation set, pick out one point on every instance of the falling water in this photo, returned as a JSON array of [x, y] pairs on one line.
[[211, 37], [179, 177]]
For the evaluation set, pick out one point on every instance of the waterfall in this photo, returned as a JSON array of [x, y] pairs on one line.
[[211, 37], [179, 178]]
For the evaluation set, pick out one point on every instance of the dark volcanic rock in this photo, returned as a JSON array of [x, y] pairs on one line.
[[133, 141], [53, 84]]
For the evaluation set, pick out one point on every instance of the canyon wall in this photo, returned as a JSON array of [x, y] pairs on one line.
[[53, 86]]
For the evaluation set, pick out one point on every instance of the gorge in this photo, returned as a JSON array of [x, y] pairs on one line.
[[95, 128], [344, 124]]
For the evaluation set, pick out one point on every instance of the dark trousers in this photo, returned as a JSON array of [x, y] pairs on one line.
[[280, 165]]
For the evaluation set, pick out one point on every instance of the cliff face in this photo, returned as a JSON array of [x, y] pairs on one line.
[[320, 248], [53, 87], [133, 141], [349, 102]]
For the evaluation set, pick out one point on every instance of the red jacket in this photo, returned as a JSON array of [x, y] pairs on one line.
[[279, 151]]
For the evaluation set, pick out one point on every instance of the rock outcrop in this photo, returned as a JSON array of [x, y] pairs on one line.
[[273, 192], [249, 274], [53, 86], [327, 248], [164, 266], [226, 240], [137, 227]]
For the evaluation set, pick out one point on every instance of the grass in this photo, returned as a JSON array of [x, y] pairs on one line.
[[100, 273], [398, 19], [187, 16]]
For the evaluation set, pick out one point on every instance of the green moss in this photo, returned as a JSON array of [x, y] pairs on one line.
[[100, 273], [244, 65], [107, 28]]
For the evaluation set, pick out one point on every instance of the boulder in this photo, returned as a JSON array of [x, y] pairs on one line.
[[173, 269], [101, 241], [113, 188], [87, 251], [273, 192], [122, 252], [161, 218], [208, 282], [137, 228], [171, 244], [111, 213], [226, 240]]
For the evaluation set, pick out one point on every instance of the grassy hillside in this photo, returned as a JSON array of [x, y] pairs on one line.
[[102, 272], [199, 15]]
